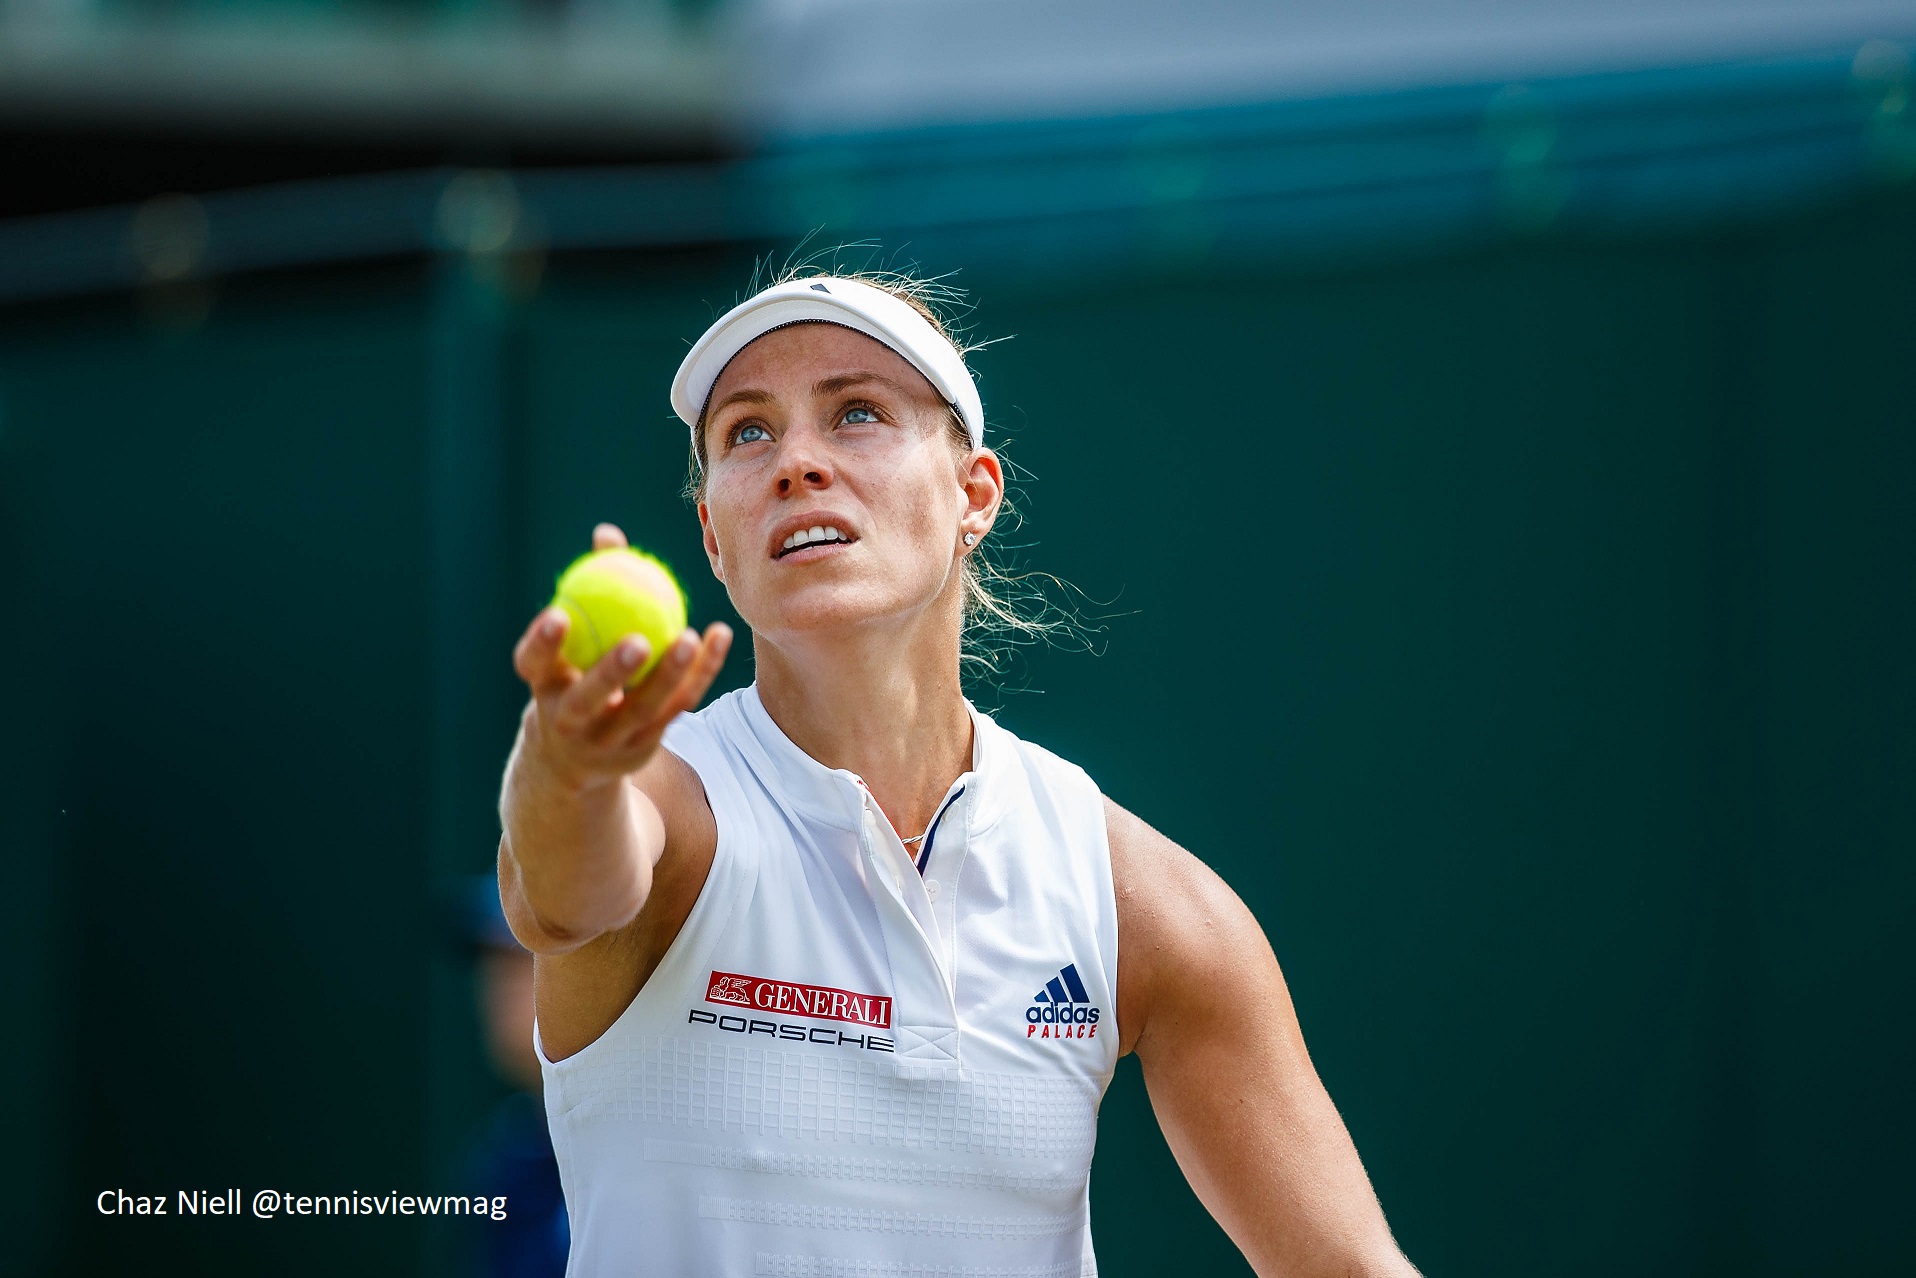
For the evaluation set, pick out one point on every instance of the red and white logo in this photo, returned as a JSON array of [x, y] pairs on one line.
[[730, 989], [821, 1002]]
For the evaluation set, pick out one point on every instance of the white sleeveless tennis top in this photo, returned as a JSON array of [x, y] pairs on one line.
[[851, 1064]]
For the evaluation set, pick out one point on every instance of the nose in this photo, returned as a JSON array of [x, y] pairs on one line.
[[802, 461]]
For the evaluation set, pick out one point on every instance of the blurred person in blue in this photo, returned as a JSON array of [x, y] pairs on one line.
[[833, 974], [511, 1154]]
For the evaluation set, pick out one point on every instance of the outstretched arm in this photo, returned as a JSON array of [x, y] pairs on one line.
[[580, 838], [1202, 1002]]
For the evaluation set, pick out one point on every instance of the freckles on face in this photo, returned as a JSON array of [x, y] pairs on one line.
[[819, 425]]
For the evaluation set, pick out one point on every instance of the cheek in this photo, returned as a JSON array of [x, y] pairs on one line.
[[927, 521], [723, 515]]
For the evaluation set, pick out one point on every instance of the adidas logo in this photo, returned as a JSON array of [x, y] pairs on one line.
[[1062, 1009]]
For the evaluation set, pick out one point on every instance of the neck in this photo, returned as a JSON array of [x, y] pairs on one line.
[[887, 705]]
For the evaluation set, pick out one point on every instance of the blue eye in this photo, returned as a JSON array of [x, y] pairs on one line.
[[850, 419], [744, 434]]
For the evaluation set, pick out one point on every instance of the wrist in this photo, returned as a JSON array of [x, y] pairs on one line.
[[537, 765]]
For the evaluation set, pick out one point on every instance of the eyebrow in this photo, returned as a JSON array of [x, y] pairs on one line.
[[738, 397], [845, 381]]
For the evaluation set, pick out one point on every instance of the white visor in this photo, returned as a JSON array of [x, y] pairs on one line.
[[850, 303]]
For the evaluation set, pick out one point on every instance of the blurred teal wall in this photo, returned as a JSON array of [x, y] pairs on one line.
[[1522, 630]]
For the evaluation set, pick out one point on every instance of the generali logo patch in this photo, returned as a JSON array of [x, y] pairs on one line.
[[821, 1002]]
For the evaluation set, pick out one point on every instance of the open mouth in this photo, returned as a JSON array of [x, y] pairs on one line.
[[818, 535]]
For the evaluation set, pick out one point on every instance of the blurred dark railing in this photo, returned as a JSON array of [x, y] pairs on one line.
[[1648, 151]]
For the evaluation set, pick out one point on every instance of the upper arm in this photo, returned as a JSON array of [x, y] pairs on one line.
[[579, 994], [1203, 1003]]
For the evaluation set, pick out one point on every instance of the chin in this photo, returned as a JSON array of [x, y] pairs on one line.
[[823, 607]]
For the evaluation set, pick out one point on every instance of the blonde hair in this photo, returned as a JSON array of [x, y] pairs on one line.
[[1004, 608]]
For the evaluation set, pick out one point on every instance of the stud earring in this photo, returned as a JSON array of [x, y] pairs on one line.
[[971, 539]]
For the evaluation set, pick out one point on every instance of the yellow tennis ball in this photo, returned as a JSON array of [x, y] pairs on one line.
[[610, 594]]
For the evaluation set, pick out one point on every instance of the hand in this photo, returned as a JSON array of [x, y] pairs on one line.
[[586, 727]]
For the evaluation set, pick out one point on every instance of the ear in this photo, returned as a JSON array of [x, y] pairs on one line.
[[711, 542], [984, 484]]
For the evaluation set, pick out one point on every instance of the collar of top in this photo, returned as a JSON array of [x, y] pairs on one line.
[[829, 299], [836, 797]]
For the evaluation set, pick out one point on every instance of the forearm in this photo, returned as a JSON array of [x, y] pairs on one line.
[[1268, 1156], [576, 857]]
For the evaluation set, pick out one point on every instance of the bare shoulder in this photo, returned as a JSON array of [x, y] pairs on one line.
[[691, 839], [670, 782], [1182, 931], [580, 994]]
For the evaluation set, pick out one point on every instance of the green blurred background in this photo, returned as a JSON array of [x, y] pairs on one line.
[[1514, 606]]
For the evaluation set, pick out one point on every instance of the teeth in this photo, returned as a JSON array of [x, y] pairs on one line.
[[817, 533]]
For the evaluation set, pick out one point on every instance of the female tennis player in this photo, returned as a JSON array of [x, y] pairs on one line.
[[833, 973]]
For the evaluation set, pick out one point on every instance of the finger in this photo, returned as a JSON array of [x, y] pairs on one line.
[[589, 698], [607, 536], [643, 699], [706, 665], [695, 677], [536, 656]]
